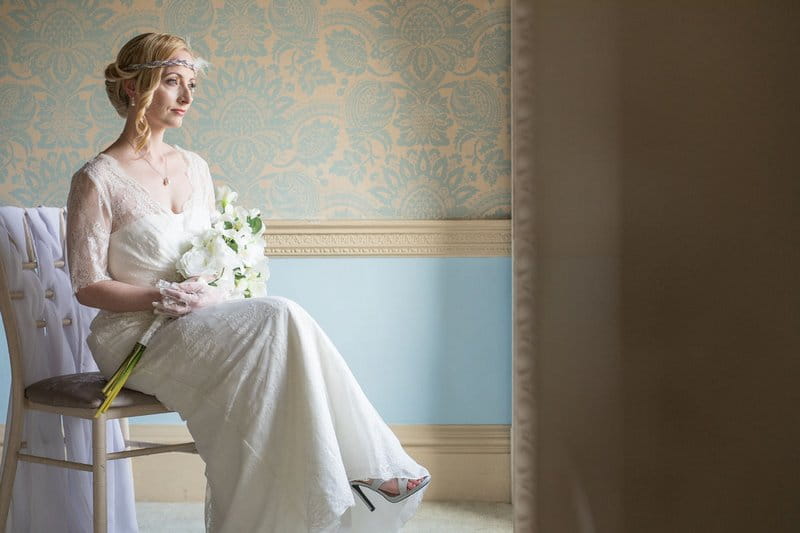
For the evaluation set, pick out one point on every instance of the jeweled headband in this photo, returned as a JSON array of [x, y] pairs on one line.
[[198, 64]]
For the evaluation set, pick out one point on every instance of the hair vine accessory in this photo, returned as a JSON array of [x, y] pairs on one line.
[[198, 64]]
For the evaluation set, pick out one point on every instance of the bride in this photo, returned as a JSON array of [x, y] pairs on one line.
[[289, 440]]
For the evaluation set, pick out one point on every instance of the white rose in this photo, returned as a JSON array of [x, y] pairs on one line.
[[195, 262]]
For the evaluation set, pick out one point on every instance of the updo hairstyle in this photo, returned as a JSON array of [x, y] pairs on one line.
[[141, 49]]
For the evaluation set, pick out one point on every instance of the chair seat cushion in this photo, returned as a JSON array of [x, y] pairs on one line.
[[82, 391]]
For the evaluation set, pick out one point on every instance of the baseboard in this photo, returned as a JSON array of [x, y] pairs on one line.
[[467, 462]]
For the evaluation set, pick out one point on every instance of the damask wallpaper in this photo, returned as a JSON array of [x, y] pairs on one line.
[[313, 109]]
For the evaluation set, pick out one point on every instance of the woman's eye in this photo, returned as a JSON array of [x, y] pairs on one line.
[[172, 81], [192, 86]]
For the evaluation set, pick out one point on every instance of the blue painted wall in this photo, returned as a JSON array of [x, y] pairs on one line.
[[429, 339]]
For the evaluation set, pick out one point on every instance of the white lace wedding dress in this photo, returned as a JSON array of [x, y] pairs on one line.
[[276, 414]]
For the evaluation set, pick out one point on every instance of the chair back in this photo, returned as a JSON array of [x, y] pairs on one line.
[[46, 327], [46, 330]]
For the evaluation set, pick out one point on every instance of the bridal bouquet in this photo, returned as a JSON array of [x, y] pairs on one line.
[[231, 254]]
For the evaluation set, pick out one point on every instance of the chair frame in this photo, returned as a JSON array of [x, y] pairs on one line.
[[13, 450]]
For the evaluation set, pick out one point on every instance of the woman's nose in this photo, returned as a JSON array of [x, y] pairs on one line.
[[186, 95]]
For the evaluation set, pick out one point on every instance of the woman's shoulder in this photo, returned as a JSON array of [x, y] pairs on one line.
[[94, 170], [90, 180], [193, 157], [199, 171]]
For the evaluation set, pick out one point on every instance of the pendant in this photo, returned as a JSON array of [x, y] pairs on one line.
[[165, 181]]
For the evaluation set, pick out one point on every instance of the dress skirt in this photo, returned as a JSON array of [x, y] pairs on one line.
[[276, 414]]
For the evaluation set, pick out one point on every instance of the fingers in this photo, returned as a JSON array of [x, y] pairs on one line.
[[192, 286], [181, 290], [189, 294], [179, 295], [168, 306]]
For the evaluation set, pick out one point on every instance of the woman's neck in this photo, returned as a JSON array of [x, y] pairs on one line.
[[155, 147]]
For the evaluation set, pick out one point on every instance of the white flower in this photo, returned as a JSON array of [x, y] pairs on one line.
[[224, 256], [196, 262], [254, 255], [252, 283], [225, 197], [231, 253]]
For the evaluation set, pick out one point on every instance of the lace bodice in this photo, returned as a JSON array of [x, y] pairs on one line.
[[104, 203]]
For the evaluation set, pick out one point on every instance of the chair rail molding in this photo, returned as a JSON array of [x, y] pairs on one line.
[[414, 238]]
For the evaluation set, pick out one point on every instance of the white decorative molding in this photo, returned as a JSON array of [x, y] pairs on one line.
[[415, 238]]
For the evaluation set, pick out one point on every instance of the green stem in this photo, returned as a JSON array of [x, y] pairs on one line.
[[112, 388], [137, 347]]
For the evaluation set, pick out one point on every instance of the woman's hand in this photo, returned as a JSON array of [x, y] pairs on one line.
[[179, 299]]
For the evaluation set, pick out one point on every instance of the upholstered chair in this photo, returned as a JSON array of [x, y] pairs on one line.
[[55, 391]]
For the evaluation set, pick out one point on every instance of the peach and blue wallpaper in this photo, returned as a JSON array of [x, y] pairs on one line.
[[313, 109]]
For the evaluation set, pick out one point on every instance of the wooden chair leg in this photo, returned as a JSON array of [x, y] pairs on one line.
[[10, 451], [99, 488]]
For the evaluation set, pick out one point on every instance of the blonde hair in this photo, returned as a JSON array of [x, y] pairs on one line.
[[141, 49]]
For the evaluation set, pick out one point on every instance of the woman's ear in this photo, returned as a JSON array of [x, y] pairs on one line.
[[130, 88]]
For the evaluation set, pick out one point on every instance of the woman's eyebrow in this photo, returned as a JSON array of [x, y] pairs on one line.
[[177, 74]]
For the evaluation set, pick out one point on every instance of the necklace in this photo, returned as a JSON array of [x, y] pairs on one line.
[[165, 180]]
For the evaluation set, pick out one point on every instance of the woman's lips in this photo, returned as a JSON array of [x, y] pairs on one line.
[[180, 112]]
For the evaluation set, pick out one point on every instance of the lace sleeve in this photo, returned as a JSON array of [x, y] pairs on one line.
[[88, 230]]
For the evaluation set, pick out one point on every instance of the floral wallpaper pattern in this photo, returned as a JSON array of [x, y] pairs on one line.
[[313, 109]]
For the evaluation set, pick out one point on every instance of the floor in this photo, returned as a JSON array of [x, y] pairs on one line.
[[433, 517]]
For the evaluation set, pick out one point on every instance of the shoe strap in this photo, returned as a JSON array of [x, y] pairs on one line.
[[402, 486]]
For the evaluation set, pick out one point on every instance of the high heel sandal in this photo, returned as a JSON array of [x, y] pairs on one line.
[[375, 484]]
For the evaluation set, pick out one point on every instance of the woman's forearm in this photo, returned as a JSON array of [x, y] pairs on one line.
[[117, 296]]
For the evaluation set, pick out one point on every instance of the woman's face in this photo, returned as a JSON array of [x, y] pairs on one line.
[[173, 96]]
